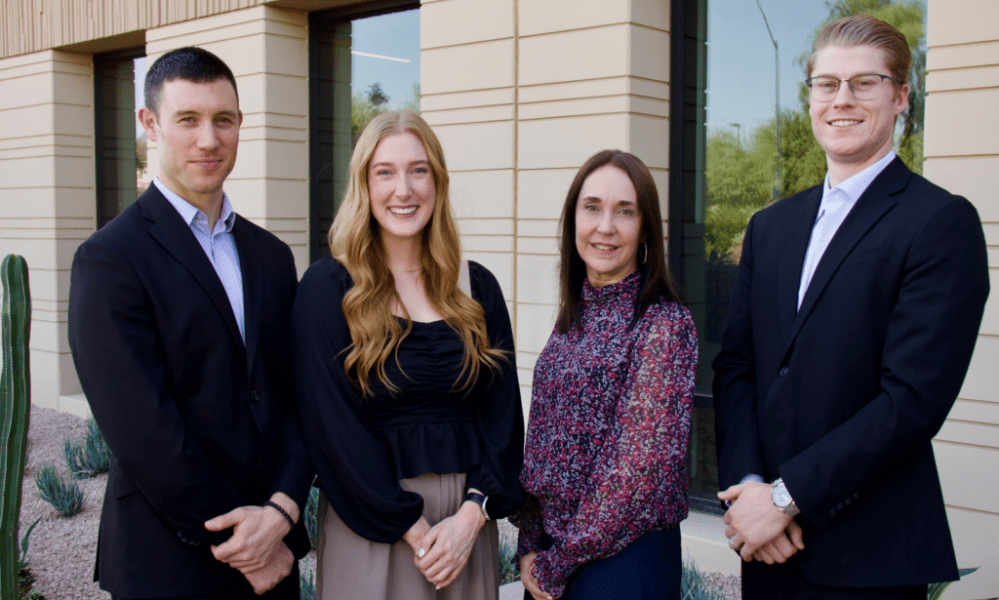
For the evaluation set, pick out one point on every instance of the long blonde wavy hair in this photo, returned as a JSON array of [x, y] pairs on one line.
[[356, 242]]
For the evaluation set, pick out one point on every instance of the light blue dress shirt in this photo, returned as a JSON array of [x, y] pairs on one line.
[[219, 246], [836, 205]]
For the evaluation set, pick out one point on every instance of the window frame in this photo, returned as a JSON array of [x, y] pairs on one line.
[[101, 162]]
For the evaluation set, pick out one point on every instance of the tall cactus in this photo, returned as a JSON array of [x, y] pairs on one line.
[[15, 396]]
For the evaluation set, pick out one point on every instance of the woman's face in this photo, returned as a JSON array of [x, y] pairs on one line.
[[608, 226], [401, 186]]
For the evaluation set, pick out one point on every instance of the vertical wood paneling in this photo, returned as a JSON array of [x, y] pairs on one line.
[[32, 25]]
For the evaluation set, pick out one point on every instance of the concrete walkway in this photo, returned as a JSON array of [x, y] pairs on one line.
[[512, 591]]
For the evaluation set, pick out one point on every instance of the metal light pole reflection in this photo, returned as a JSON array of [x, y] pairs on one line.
[[776, 193]]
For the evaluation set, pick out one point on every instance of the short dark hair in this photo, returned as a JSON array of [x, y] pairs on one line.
[[190, 63], [656, 280]]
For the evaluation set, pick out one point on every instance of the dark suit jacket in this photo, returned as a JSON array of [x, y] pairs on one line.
[[198, 423], [842, 397]]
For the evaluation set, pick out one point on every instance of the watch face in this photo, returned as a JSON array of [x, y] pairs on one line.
[[780, 496]]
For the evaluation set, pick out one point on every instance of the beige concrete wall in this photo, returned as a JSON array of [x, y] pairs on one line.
[[962, 155], [267, 50], [521, 94], [31, 25], [47, 195]]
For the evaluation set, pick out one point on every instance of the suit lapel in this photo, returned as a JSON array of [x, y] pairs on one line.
[[253, 287], [169, 229], [877, 200], [792, 257]]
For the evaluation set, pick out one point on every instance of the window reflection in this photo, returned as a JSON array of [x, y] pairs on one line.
[[362, 65]]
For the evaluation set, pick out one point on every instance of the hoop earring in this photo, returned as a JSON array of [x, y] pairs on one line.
[[645, 257]]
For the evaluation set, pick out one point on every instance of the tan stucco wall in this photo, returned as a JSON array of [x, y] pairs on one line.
[[28, 26], [962, 155], [47, 201], [521, 94]]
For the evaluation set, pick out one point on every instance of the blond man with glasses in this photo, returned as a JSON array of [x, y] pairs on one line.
[[850, 331]]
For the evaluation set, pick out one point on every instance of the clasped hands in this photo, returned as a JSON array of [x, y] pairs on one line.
[[442, 551], [757, 529], [257, 547]]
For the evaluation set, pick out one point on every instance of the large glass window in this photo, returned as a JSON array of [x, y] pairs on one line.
[[120, 154], [742, 139], [362, 64]]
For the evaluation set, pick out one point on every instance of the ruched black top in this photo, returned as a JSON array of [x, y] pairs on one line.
[[361, 448]]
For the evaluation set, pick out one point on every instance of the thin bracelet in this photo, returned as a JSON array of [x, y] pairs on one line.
[[283, 512]]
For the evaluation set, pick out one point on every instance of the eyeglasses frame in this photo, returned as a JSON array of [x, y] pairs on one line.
[[839, 83]]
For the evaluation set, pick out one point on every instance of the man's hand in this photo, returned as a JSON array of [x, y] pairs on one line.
[[257, 533], [753, 520], [527, 578], [782, 547], [450, 543], [265, 578]]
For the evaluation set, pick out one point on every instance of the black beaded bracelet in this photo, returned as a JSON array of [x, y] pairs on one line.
[[283, 512]]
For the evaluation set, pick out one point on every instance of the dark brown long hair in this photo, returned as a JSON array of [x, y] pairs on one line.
[[656, 280]]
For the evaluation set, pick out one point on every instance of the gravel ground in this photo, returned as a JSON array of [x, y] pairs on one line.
[[61, 551]]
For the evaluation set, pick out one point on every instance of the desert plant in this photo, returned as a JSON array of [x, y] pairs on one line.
[[693, 585], [65, 496], [507, 568], [15, 409], [90, 458], [25, 579], [936, 590], [311, 509], [307, 585]]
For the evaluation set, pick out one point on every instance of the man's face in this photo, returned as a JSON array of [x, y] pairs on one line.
[[196, 132], [855, 133]]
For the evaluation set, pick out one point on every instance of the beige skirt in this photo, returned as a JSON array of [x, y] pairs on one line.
[[350, 567]]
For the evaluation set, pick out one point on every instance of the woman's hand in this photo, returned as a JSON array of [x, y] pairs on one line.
[[450, 543], [414, 537], [527, 578]]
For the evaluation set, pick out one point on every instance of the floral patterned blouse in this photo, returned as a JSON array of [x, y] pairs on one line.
[[605, 460]]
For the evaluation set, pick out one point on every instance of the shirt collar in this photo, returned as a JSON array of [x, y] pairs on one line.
[[854, 187], [193, 215]]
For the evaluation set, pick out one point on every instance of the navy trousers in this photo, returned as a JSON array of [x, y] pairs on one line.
[[650, 568], [761, 581]]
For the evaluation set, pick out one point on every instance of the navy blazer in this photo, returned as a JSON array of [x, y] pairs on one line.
[[198, 422], [843, 397]]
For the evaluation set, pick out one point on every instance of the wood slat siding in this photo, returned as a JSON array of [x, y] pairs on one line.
[[28, 26]]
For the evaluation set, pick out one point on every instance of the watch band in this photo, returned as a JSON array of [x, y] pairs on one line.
[[479, 499]]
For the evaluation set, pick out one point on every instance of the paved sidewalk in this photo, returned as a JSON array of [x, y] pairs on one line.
[[512, 591]]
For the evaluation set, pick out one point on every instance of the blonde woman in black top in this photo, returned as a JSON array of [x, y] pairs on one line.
[[408, 390]]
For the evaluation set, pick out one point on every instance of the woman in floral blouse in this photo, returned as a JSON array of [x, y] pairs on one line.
[[605, 461]]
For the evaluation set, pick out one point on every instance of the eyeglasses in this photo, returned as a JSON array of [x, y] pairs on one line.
[[864, 86]]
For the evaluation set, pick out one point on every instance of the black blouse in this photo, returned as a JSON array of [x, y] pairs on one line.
[[361, 448]]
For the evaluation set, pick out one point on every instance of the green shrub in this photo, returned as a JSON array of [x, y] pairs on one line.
[[507, 568], [311, 509], [90, 458], [307, 585], [65, 496]]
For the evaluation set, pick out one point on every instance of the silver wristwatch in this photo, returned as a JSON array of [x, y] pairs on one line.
[[782, 499]]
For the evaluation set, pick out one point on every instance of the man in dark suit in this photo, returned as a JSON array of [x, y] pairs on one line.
[[178, 325], [850, 331]]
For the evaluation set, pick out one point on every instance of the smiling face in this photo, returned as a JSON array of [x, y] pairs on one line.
[[196, 132], [855, 133], [401, 186], [608, 226]]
